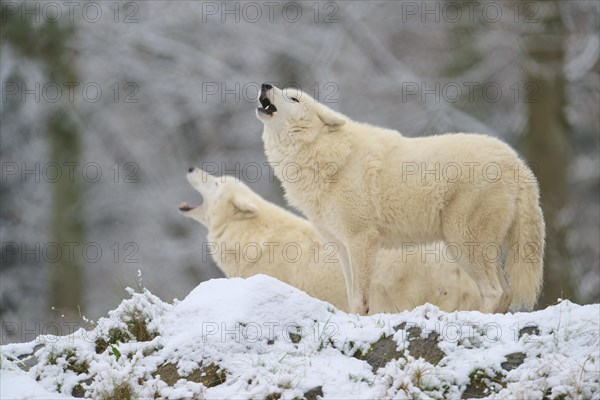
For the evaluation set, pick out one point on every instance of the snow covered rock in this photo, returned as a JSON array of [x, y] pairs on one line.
[[259, 338]]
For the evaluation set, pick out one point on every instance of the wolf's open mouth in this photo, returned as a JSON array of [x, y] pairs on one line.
[[185, 207], [266, 106]]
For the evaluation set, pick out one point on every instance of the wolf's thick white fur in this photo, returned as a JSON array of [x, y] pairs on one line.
[[367, 187], [240, 222]]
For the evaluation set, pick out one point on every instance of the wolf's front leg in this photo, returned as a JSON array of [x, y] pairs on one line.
[[362, 260], [341, 256], [346, 267]]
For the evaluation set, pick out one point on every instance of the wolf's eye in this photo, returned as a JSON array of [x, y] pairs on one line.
[[295, 99]]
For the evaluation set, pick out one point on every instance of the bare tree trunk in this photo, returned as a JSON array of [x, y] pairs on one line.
[[66, 283], [48, 43], [547, 143]]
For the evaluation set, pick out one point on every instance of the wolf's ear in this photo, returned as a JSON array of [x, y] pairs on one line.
[[244, 205], [329, 117]]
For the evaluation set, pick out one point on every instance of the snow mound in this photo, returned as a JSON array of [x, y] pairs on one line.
[[259, 338]]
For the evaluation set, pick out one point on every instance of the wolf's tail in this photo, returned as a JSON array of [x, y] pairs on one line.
[[525, 261]]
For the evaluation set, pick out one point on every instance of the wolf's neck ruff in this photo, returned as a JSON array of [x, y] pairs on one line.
[[307, 169]]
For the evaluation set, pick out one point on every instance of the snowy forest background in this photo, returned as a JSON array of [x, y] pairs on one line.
[[178, 82]]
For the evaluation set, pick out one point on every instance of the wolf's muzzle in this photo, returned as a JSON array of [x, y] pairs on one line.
[[266, 107]]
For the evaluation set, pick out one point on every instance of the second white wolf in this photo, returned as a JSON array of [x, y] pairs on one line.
[[249, 235]]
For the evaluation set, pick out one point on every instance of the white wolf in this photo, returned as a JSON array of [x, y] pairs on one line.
[[248, 236], [366, 187]]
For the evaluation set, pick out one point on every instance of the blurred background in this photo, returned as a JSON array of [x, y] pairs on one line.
[[106, 104]]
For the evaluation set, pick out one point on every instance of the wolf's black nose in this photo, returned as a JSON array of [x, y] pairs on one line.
[[191, 169], [265, 86]]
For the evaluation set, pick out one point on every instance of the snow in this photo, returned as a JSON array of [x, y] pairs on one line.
[[15, 385], [249, 328]]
